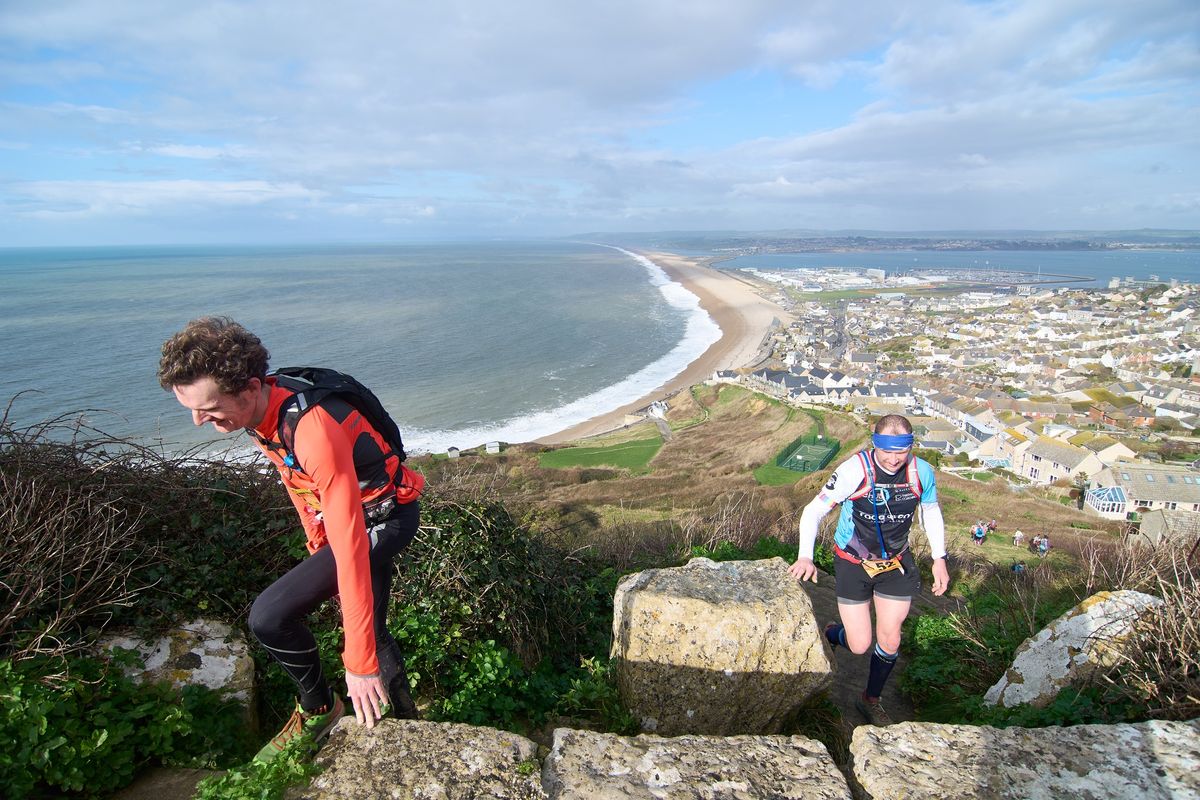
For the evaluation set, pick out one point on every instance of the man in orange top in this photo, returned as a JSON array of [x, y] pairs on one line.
[[356, 501]]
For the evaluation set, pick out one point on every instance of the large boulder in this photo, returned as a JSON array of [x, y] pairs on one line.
[[200, 653], [1069, 650], [915, 760], [717, 648], [584, 765], [423, 761]]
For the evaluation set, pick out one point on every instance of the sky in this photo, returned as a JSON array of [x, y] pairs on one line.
[[261, 121]]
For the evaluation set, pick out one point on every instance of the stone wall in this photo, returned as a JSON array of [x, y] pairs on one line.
[[409, 759]]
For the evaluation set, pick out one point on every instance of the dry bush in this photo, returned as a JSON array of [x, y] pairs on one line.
[[1159, 667], [632, 545], [737, 518], [89, 523], [66, 562], [66, 557]]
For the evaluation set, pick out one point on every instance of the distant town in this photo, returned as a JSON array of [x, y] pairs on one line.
[[1096, 391]]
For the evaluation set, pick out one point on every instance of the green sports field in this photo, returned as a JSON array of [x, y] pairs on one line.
[[808, 457]]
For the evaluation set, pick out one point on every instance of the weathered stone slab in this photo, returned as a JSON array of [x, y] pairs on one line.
[[1146, 761], [1069, 649], [200, 653], [717, 648], [423, 761], [584, 765]]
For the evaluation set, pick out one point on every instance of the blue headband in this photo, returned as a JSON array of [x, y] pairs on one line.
[[892, 441]]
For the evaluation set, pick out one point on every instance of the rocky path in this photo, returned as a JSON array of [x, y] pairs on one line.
[[852, 670]]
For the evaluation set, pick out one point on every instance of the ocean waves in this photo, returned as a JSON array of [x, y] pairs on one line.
[[700, 332], [465, 343]]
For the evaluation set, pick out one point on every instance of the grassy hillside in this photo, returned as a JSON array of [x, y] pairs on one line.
[[700, 486]]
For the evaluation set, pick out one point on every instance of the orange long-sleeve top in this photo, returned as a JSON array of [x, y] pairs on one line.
[[344, 462]]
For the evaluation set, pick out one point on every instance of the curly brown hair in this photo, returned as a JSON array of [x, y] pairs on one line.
[[215, 347]]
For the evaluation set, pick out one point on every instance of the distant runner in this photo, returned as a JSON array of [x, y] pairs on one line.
[[357, 503], [880, 491]]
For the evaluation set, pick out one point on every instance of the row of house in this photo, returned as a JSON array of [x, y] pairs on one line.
[[1008, 378], [819, 385]]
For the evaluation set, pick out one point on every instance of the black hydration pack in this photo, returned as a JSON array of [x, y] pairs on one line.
[[314, 384]]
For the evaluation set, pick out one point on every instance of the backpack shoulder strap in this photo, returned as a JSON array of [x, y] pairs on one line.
[[868, 481], [914, 476]]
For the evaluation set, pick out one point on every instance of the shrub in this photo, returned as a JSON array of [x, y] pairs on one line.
[[88, 525], [263, 780], [482, 574], [80, 725], [1156, 675], [593, 693], [1158, 670], [766, 547], [494, 620]]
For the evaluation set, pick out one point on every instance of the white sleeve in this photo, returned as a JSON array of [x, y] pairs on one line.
[[842, 483], [935, 528], [810, 523]]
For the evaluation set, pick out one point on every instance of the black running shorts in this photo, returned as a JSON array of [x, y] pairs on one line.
[[855, 586]]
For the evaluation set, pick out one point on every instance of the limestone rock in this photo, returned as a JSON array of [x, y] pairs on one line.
[[423, 761], [584, 765], [1069, 649], [200, 653], [717, 648], [1146, 761]]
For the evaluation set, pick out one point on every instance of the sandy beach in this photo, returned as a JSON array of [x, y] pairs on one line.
[[742, 314]]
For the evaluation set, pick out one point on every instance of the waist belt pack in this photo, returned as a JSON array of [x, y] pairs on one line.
[[872, 566]]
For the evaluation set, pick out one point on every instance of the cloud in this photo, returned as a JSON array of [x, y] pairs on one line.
[[63, 199], [195, 151], [535, 116]]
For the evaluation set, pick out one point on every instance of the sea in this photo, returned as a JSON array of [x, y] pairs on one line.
[[464, 343]]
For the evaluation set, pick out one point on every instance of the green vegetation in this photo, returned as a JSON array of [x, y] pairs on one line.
[[956, 658], [771, 475], [948, 493], [505, 606], [634, 456], [499, 626], [766, 547], [257, 780], [79, 725]]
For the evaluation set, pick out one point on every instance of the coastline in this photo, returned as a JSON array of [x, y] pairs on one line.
[[743, 316]]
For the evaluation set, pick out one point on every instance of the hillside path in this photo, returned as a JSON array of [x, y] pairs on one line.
[[850, 670]]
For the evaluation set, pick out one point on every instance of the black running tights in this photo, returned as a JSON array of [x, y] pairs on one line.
[[277, 616]]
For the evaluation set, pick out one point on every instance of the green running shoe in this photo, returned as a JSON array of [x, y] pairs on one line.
[[317, 725], [873, 710]]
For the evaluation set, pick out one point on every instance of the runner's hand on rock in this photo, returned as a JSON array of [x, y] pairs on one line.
[[367, 693], [804, 570]]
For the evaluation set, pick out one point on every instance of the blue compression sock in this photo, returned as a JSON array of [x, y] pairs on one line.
[[836, 634], [881, 667]]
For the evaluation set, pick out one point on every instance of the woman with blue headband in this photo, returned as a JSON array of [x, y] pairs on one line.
[[881, 490]]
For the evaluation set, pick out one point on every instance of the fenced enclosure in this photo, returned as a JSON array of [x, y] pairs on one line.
[[808, 453]]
